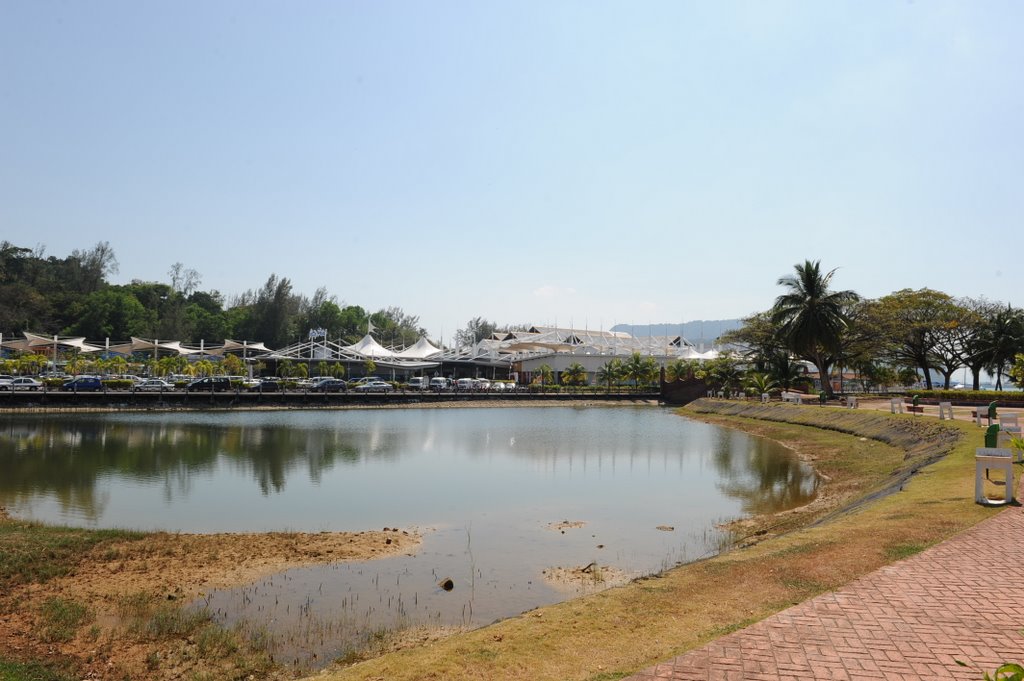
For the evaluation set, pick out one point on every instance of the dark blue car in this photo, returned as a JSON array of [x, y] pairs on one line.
[[83, 384]]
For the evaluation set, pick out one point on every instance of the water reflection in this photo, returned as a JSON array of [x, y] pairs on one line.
[[335, 470]]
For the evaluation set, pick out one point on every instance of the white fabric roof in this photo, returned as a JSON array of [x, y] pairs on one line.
[[420, 350], [370, 348]]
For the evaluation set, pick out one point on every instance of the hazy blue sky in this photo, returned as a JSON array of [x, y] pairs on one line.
[[591, 162]]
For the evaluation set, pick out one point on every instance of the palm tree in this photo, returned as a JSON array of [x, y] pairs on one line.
[[610, 372], [544, 373], [639, 369], [574, 374], [1004, 338], [679, 370], [812, 318], [785, 372], [761, 383]]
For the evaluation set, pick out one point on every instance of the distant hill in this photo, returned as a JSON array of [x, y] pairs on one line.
[[699, 331]]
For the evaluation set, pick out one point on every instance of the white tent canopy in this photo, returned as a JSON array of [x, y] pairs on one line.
[[367, 347], [421, 350]]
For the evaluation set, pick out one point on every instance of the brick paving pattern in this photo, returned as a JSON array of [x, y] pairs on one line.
[[962, 599]]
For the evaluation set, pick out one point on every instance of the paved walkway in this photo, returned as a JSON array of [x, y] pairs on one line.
[[962, 600]]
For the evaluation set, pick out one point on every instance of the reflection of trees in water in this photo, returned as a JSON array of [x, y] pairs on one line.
[[66, 458], [763, 478]]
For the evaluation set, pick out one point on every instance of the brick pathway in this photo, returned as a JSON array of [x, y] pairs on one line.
[[960, 600]]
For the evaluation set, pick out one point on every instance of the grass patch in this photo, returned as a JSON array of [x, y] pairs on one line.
[[60, 619], [900, 551], [147, 616], [19, 671], [35, 553]]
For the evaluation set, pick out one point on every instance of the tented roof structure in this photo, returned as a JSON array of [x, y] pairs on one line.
[[368, 347], [504, 348], [421, 350], [421, 355], [32, 341]]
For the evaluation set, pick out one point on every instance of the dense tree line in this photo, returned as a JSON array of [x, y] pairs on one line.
[[72, 296], [887, 341]]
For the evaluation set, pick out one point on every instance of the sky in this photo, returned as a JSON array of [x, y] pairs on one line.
[[572, 163]]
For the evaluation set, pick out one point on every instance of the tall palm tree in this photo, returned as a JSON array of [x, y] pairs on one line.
[[1003, 340], [812, 318], [610, 372], [574, 374], [640, 369]]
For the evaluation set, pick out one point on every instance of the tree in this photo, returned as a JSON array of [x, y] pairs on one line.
[[908, 325], [813, 318], [761, 383], [1005, 338], [574, 375], [370, 366], [184, 281], [680, 370], [610, 372], [544, 373], [476, 330], [639, 369]]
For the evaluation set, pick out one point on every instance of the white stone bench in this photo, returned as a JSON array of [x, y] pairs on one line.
[[986, 459], [945, 411]]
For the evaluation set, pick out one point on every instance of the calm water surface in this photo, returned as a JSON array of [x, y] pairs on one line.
[[485, 482]]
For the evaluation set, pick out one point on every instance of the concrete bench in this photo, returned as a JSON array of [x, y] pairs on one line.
[[985, 459]]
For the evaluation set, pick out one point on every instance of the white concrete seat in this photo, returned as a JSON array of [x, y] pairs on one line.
[[945, 411], [989, 458], [851, 402], [896, 405], [765, 397]]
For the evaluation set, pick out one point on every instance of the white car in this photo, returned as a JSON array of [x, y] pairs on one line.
[[374, 387], [155, 385], [21, 383], [498, 386]]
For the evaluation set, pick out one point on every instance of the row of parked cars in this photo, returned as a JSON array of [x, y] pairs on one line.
[[324, 384]]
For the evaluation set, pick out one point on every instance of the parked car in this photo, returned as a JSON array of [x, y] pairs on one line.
[[210, 384], [83, 384], [465, 384], [155, 385], [419, 383], [269, 385], [329, 385], [481, 384], [374, 387], [439, 383], [22, 383], [498, 386]]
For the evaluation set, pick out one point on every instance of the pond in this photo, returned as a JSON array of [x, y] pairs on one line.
[[485, 484]]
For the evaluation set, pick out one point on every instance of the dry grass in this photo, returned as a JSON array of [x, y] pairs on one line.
[[620, 631]]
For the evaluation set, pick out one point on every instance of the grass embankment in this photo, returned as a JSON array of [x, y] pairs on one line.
[[618, 632]]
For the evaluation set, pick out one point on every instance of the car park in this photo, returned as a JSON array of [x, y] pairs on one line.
[[83, 384], [210, 384], [374, 387], [155, 385], [22, 383]]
